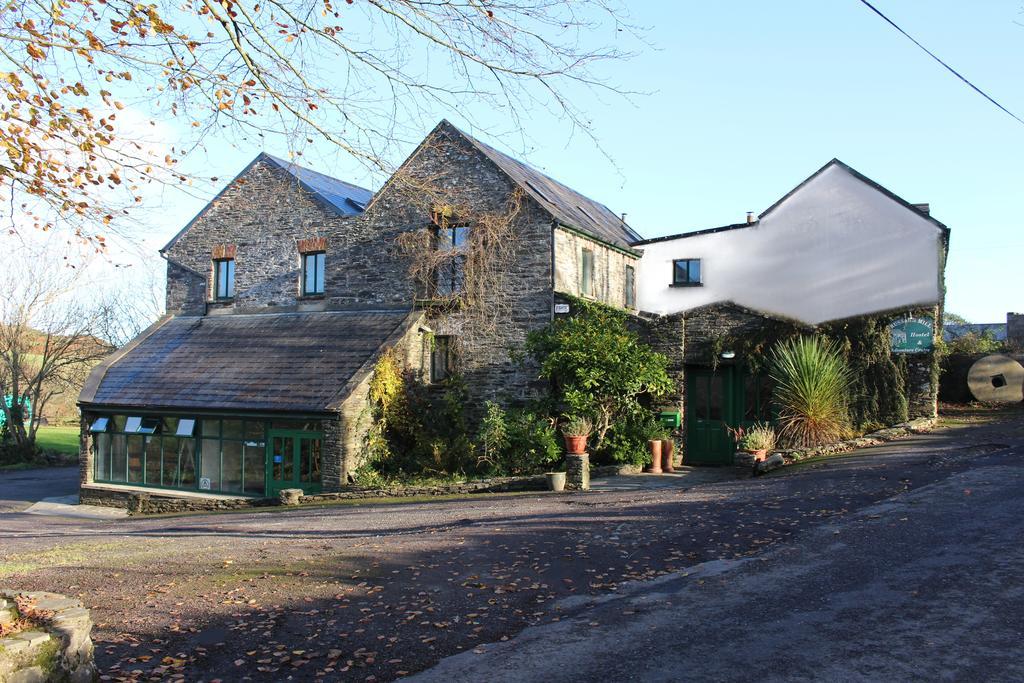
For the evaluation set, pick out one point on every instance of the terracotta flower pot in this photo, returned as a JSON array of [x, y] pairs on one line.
[[758, 454], [577, 445], [668, 452], [655, 446]]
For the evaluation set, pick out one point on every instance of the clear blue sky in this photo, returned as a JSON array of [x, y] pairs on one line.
[[750, 97]]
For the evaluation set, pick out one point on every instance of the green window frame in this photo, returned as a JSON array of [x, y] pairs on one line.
[[313, 275], [224, 278], [179, 453], [586, 271]]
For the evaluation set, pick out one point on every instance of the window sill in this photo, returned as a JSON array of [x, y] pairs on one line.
[[312, 297], [686, 284]]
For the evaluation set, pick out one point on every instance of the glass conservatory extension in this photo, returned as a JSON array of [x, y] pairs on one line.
[[255, 457]]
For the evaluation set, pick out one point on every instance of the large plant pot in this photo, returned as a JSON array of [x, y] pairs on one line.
[[759, 454], [655, 447], [668, 452], [556, 481], [577, 445]]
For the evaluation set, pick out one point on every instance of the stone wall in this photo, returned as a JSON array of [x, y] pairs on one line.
[[521, 300], [609, 268], [347, 435], [667, 335], [60, 649], [922, 385], [157, 502], [263, 214], [85, 454], [707, 328], [1015, 330]]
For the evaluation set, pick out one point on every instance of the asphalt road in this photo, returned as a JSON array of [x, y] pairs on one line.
[[900, 562], [20, 488], [928, 585]]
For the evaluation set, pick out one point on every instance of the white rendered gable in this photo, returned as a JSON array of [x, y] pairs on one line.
[[836, 247]]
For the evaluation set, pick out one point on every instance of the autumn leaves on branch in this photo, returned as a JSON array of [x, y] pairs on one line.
[[88, 84]]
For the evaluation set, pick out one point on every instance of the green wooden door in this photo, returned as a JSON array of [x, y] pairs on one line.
[[293, 461], [727, 397]]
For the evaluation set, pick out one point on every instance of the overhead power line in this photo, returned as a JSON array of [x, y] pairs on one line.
[[937, 59]]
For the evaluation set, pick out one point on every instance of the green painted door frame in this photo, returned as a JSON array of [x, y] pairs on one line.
[[726, 397], [294, 460]]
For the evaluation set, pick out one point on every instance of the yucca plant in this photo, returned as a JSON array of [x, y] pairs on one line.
[[812, 384]]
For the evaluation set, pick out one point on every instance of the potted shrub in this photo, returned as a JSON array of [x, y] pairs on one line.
[[757, 440], [575, 431]]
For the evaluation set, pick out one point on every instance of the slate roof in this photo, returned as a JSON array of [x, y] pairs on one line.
[[288, 362], [343, 198], [567, 205]]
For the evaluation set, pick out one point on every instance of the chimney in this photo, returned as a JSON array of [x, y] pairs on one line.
[[925, 208], [623, 218], [750, 217]]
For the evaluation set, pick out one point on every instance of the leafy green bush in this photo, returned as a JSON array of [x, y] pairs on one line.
[[516, 442], [811, 390], [973, 343], [627, 441], [600, 369], [416, 430]]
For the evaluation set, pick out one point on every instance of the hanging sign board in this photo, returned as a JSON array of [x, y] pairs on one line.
[[912, 335]]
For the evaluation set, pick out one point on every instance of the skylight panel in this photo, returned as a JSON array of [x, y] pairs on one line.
[[539, 191], [186, 427]]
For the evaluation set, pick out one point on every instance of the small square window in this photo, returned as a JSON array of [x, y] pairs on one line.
[[132, 424], [686, 272], [149, 425], [313, 279], [100, 424]]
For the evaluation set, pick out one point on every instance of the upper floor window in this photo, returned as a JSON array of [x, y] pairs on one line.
[[451, 274], [629, 296], [686, 272], [587, 272], [224, 278], [313, 279]]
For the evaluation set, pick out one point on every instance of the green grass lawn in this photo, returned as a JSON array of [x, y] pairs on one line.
[[60, 439]]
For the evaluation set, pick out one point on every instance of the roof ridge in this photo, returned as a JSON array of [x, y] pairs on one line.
[[611, 229], [288, 165]]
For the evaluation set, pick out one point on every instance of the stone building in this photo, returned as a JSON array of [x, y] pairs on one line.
[[284, 291], [838, 252]]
